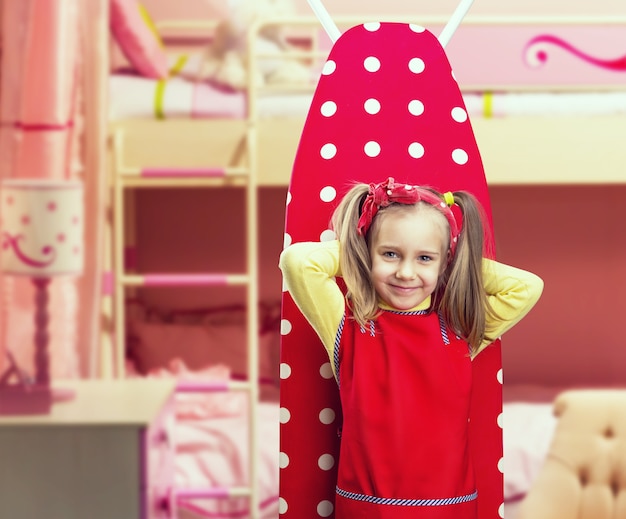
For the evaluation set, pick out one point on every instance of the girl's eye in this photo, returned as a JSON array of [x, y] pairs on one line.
[[425, 259], [389, 254]]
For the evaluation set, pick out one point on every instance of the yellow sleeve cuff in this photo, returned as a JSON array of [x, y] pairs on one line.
[[309, 270]]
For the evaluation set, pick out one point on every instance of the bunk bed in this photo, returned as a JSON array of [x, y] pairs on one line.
[[538, 77], [550, 115]]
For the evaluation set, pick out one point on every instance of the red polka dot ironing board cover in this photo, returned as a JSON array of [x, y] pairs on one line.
[[387, 104]]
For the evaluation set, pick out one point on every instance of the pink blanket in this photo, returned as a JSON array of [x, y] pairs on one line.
[[212, 445]]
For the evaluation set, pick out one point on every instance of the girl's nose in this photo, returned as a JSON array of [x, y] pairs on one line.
[[406, 271]]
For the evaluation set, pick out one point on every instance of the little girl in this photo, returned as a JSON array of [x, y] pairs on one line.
[[421, 302]]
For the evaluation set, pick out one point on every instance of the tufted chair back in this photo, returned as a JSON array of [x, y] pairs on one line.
[[584, 476]]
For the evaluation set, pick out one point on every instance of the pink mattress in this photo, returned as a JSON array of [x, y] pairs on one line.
[[138, 97]]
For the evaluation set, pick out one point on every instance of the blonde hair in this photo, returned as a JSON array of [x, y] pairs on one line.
[[459, 296]]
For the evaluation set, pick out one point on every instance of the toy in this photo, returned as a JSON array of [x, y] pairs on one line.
[[226, 59]]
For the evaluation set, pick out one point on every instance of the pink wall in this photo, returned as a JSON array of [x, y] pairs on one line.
[[571, 237], [215, 222], [495, 7]]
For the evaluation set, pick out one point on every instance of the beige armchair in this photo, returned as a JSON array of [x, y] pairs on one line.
[[584, 476]]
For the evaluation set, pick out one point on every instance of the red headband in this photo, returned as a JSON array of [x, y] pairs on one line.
[[388, 192]]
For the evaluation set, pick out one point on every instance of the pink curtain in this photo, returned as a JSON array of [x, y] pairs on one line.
[[42, 109]]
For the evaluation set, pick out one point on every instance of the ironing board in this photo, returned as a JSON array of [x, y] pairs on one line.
[[387, 104]]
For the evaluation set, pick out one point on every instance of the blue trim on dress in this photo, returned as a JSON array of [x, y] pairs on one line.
[[444, 330], [336, 346], [401, 312], [407, 502]]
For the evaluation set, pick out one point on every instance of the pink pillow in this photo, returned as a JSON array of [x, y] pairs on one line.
[[133, 30], [199, 346]]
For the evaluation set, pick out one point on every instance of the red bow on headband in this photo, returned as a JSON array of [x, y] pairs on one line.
[[388, 192]]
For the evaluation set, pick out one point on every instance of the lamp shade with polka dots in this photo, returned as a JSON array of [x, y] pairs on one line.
[[42, 227], [387, 105]]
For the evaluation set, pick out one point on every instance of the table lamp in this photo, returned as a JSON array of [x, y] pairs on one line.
[[42, 237]]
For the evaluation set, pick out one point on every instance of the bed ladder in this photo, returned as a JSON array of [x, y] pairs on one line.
[[124, 180]]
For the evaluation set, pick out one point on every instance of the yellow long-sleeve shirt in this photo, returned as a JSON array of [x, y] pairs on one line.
[[309, 269]]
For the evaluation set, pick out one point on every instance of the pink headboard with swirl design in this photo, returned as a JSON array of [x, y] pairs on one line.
[[540, 55]]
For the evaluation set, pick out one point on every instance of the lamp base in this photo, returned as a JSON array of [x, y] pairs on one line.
[[31, 400], [18, 399], [26, 397]]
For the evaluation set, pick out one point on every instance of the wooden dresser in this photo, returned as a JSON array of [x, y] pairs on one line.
[[106, 454]]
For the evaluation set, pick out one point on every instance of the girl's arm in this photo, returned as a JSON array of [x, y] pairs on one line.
[[308, 270], [511, 292]]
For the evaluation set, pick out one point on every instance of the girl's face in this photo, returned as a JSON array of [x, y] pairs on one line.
[[408, 252]]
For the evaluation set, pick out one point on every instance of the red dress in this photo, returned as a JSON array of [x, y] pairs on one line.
[[405, 384]]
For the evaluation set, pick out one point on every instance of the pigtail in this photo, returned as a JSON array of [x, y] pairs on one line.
[[354, 257], [464, 302]]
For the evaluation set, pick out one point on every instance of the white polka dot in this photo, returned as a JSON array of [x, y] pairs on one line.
[[460, 156], [328, 151], [324, 509], [372, 64], [501, 465], [326, 370], [372, 149], [329, 67], [459, 114], [416, 150], [417, 65], [286, 240], [416, 28], [288, 197], [501, 510], [328, 235], [283, 460], [285, 327], [328, 194], [326, 461], [327, 416], [416, 107], [372, 26], [499, 376], [285, 415], [329, 108], [282, 506], [285, 370], [500, 420], [372, 106], [453, 76]]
